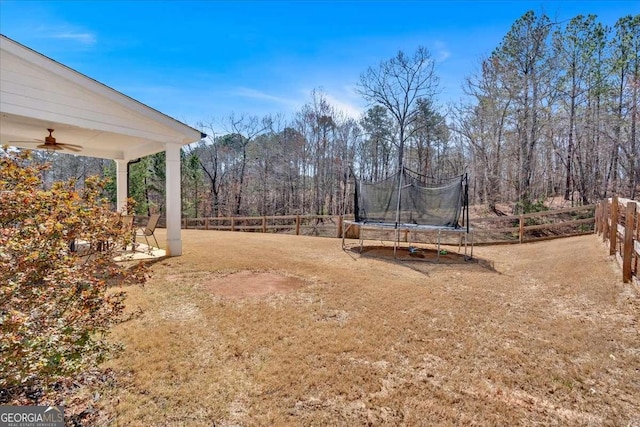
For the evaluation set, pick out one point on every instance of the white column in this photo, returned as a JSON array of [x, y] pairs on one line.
[[173, 202], [121, 185]]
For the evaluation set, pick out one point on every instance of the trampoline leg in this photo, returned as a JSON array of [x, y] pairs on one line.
[[344, 231], [466, 243], [395, 243]]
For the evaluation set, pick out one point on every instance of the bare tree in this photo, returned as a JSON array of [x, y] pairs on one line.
[[397, 84], [484, 125], [523, 58], [574, 46], [376, 147], [625, 61], [246, 128], [209, 159], [430, 142]]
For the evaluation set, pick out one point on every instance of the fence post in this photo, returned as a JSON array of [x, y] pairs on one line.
[[206, 223], [613, 228], [627, 256], [264, 224], [339, 226], [521, 231], [596, 222], [603, 211], [605, 220], [297, 224], [636, 236], [233, 224]]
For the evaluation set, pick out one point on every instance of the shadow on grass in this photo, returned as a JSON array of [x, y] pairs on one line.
[[420, 259]]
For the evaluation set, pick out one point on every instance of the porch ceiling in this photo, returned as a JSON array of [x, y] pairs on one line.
[[94, 143]]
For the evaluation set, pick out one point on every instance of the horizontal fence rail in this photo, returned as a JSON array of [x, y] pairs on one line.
[[317, 225], [535, 226], [618, 222], [523, 228]]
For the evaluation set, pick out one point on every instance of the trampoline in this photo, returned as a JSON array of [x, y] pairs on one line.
[[408, 203]]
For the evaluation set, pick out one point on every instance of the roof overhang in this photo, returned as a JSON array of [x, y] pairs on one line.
[[38, 93]]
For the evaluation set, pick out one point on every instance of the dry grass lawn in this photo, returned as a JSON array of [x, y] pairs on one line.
[[262, 329]]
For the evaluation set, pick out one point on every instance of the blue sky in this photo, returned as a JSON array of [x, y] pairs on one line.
[[201, 60]]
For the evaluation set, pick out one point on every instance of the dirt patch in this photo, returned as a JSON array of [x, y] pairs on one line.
[[246, 284], [412, 253]]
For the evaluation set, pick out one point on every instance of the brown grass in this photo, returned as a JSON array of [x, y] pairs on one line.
[[537, 334]]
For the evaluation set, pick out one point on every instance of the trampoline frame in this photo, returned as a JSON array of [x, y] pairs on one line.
[[465, 234]]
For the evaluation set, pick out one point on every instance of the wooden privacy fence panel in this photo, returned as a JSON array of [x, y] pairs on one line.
[[617, 222]]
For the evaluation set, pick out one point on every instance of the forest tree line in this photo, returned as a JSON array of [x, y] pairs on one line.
[[552, 111]]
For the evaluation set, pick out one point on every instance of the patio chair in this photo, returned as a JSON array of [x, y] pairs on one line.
[[149, 230]]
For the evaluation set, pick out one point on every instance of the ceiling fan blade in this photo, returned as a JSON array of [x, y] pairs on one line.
[[70, 147], [33, 141], [54, 147], [50, 143]]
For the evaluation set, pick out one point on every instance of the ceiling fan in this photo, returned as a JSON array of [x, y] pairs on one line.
[[50, 143]]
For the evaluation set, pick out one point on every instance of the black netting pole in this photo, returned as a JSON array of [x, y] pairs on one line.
[[356, 195], [466, 200], [399, 193]]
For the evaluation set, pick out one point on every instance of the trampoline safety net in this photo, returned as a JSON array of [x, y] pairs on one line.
[[420, 202]]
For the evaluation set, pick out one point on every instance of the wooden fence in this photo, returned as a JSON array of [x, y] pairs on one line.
[[494, 230], [618, 222], [318, 225], [535, 226]]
